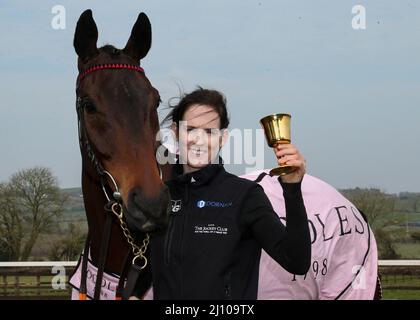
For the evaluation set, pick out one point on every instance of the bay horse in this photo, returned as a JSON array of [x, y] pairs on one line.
[[118, 123]]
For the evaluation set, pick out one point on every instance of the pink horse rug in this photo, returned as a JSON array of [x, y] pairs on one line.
[[344, 253]]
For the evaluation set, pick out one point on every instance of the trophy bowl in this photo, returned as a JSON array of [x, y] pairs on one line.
[[277, 130]]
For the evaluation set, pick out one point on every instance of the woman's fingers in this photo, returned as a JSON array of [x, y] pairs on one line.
[[296, 163], [288, 154], [292, 161], [288, 158], [285, 149]]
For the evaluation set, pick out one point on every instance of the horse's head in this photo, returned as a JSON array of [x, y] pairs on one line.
[[117, 107]]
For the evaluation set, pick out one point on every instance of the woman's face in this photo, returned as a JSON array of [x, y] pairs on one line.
[[200, 137]]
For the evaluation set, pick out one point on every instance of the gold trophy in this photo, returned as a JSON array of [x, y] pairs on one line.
[[277, 130]]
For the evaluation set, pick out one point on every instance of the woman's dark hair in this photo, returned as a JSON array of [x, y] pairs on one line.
[[211, 98]]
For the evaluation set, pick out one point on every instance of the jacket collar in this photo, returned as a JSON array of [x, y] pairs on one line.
[[198, 177]]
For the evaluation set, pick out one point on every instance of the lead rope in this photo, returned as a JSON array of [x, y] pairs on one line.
[[103, 254], [83, 280], [123, 276]]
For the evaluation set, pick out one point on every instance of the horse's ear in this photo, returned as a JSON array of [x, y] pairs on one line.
[[86, 36], [140, 39]]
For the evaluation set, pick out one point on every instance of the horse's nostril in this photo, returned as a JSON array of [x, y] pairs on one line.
[[136, 198]]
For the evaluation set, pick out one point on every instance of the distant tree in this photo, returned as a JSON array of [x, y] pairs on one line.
[[415, 236], [417, 206], [385, 242], [70, 246], [11, 225], [29, 204], [4, 254], [378, 207]]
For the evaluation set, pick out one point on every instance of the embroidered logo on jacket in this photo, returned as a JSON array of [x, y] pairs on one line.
[[216, 204], [211, 228], [176, 205]]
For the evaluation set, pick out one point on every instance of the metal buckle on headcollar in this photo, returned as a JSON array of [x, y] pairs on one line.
[[116, 194]]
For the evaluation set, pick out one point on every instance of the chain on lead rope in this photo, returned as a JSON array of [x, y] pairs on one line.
[[138, 252]]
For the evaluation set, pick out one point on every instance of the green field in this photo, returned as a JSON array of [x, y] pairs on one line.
[[408, 251], [401, 294], [31, 286]]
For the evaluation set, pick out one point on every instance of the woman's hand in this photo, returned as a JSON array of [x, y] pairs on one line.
[[288, 154]]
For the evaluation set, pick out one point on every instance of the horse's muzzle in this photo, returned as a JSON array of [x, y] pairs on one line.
[[145, 214]]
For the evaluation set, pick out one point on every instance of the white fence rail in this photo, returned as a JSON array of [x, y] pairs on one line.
[[33, 279], [23, 264]]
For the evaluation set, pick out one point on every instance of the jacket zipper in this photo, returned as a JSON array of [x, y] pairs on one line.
[[187, 203], [168, 240], [227, 286]]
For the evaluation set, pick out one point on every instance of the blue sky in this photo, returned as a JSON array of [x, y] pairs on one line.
[[354, 95]]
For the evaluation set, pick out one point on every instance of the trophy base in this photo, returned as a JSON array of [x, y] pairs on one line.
[[282, 170]]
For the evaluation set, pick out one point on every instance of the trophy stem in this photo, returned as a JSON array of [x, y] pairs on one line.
[[282, 170]]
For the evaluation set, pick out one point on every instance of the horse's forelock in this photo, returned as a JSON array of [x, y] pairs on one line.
[[110, 49]]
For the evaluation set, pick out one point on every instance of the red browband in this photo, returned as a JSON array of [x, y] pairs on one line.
[[109, 66]]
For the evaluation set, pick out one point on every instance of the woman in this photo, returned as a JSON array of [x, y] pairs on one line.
[[219, 222]]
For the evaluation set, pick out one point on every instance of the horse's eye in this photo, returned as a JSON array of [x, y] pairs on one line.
[[89, 107]]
